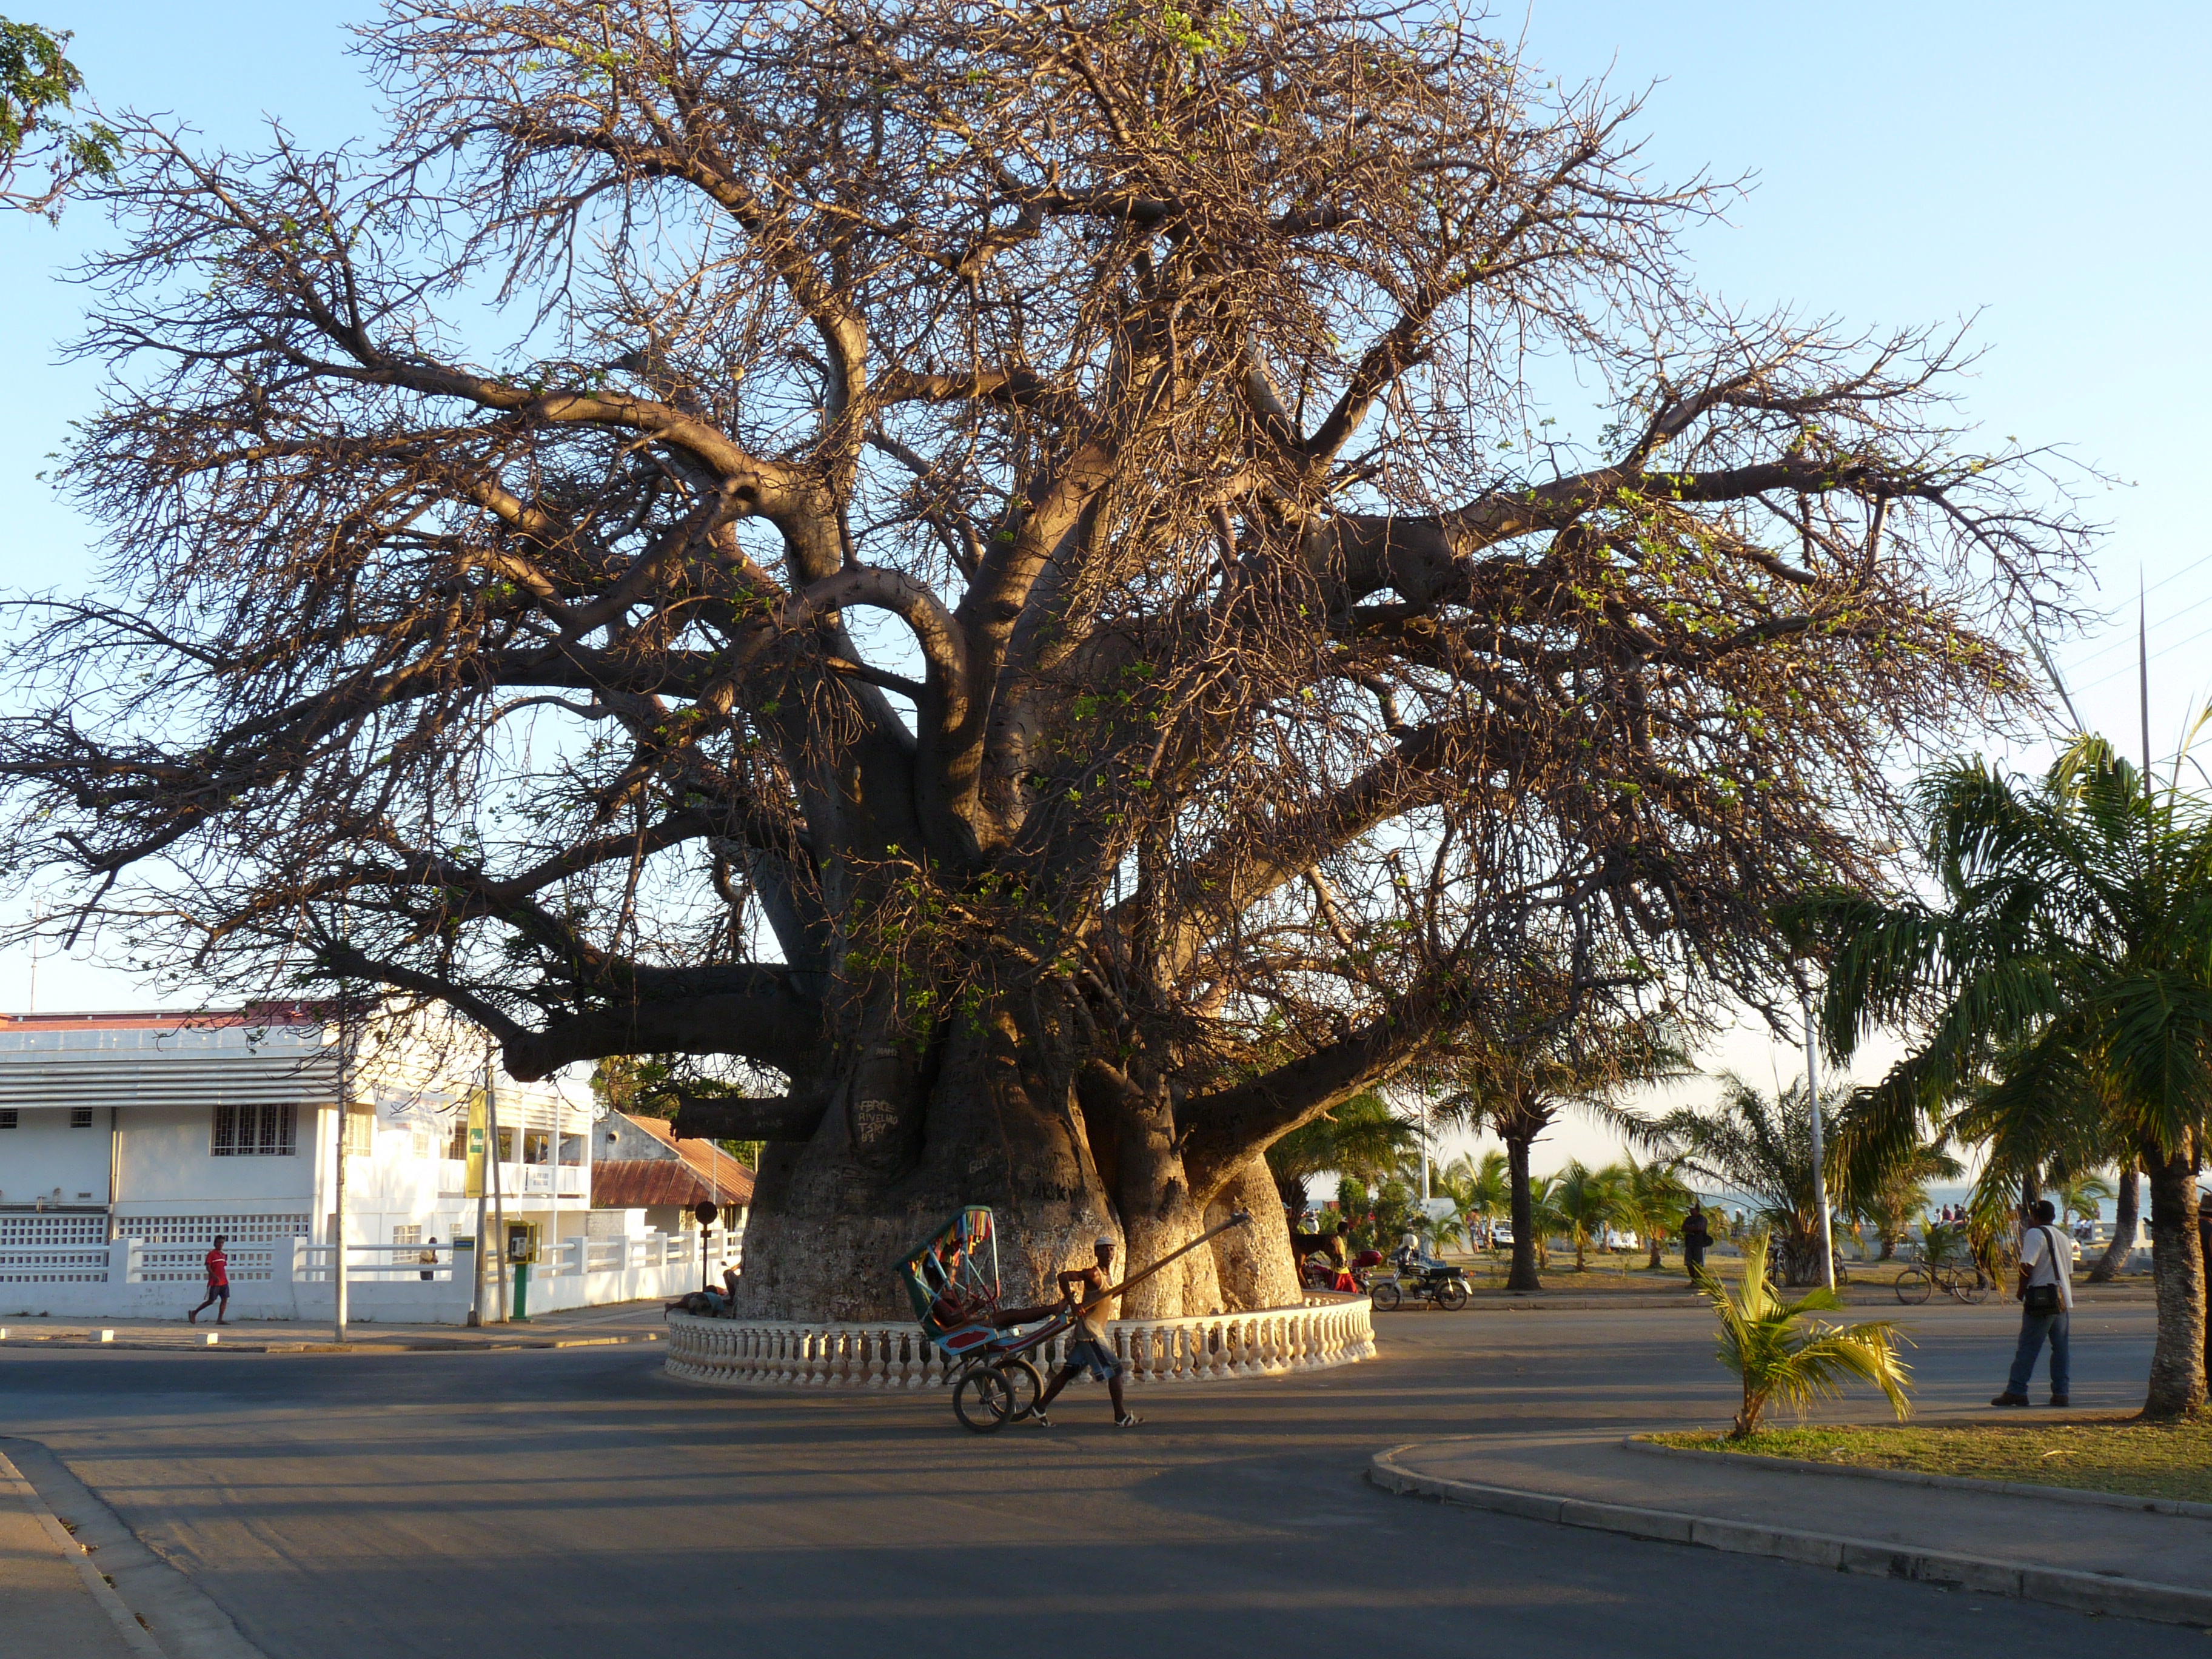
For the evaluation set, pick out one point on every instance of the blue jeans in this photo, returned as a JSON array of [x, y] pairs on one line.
[[2033, 1327]]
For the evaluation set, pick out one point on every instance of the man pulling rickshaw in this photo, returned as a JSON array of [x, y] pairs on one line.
[[953, 1280]]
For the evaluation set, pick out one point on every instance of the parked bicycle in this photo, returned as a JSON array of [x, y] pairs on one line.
[[1965, 1280]]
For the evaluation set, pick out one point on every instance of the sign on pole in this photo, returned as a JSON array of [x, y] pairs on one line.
[[474, 1186]]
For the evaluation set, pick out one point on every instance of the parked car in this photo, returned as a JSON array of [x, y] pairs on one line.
[[1501, 1236], [1618, 1238]]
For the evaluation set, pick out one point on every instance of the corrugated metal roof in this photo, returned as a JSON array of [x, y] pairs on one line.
[[30, 1081], [720, 1175]]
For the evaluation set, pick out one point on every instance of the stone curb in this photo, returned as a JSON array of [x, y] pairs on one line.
[[135, 1635], [2083, 1592], [2107, 1500]]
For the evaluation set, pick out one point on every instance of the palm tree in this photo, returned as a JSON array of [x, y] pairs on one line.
[[1483, 1189], [1780, 1359], [1516, 1089], [2082, 1195], [1892, 1199], [1654, 1200], [2063, 990], [1363, 1138], [1545, 1220], [1761, 1148], [1588, 1201]]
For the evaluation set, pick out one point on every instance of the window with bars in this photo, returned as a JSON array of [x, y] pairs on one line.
[[80, 1117], [8, 1119], [407, 1234], [360, 1134], [254, 1132]]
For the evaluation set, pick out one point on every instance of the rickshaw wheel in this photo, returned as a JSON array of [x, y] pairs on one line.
[[982, 1401], [1024, 1385]]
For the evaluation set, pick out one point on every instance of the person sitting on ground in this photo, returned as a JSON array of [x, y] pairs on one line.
[[1085, 1288], [708, 1304]]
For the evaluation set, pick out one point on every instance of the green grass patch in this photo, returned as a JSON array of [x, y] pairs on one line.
[[2141, 1460]]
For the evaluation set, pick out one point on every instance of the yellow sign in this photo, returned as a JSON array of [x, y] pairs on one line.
[[474, 1187]]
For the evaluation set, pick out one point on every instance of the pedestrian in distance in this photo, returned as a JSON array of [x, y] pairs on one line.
[[2046, 1294], [429, 1257], [1089, 1351], [218, 1285], [1696, 1233]]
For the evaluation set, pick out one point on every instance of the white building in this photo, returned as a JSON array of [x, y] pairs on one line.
[[129, 1142]]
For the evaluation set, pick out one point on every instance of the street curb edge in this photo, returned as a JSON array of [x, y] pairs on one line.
[[2082, 1592], [2108, 1500]]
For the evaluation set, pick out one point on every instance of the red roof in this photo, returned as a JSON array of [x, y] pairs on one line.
[[161, 1019], [699, 1169]]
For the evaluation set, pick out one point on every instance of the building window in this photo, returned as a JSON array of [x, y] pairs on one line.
[[360, 1134], [407, 1234], [80, 1117], [420, 1144], [456, 1148], [252, 1132], [8, 1119], [537, 1146]]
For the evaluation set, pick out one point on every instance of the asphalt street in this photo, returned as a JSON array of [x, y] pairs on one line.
[[579, 1502]]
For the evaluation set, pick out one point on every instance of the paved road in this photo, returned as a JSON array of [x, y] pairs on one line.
[[577, 1502]]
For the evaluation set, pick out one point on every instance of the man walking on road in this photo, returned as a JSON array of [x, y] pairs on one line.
[[2046, 1299], [218, 1285]]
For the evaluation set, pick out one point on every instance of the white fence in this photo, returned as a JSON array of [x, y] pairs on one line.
[[292, 1279], [1328, 1330]]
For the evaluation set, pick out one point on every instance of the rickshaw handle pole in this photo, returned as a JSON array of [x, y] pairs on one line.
[[1242, 1218]]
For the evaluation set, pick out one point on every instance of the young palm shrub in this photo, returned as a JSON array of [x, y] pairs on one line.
[[1588, 1201], [1785, 1358]]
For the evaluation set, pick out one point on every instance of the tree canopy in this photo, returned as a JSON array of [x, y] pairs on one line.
[[1034, 520]]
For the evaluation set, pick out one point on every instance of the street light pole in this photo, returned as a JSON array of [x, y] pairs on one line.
[[338, 1207], [1819, 1167]]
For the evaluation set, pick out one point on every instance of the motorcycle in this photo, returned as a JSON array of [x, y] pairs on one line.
[[1436, 1283]]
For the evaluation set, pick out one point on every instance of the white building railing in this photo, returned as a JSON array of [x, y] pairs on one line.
[[289, 1277], [1327, 1331]]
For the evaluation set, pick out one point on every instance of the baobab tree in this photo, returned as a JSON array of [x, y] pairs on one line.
[[993, 571]]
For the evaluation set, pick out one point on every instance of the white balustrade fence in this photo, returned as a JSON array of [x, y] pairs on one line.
[[284, 1277], [1327, 1330]]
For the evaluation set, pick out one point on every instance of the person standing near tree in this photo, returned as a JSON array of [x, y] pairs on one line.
[[218, 1285], [1696, 1233], [2046, 1299]]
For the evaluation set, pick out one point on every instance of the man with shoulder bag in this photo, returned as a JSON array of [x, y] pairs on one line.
[[2046, 1299]]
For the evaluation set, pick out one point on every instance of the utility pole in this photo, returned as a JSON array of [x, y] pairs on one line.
[[1820, 1168], [338, 1212], [498, 1188]]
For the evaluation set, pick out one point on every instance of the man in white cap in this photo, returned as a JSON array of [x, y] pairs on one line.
[[1090, 1351]]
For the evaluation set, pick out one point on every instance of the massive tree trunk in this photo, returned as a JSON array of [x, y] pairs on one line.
[[2177, 1266], [1523, 1276], [991, 1114], [2126, 1222]]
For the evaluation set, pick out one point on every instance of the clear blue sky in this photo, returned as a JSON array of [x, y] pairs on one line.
[[2041, 167]]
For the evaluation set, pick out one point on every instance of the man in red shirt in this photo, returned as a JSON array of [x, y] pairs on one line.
[[218, 1287]]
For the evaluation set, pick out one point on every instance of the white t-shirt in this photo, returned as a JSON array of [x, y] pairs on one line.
[[2048, 1261]]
